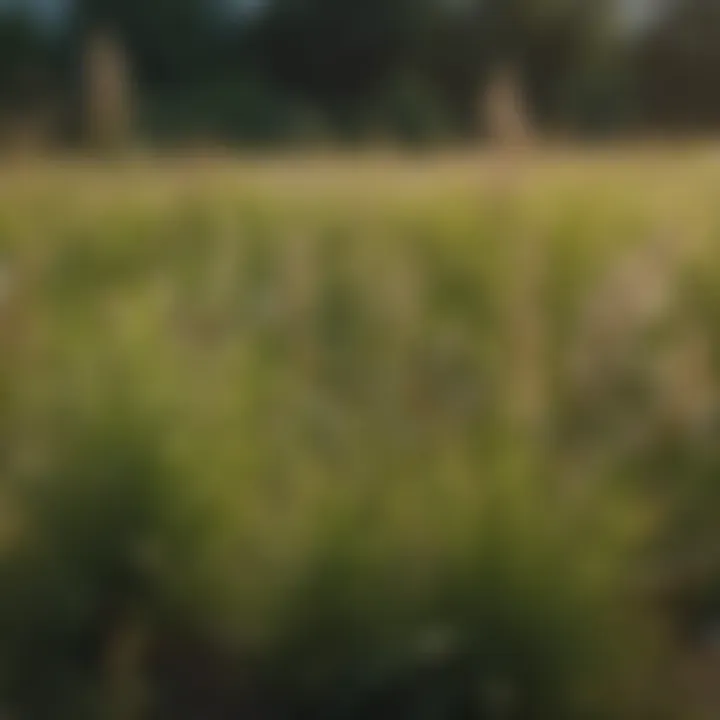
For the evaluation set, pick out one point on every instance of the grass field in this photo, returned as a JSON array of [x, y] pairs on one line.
[[350, 438]]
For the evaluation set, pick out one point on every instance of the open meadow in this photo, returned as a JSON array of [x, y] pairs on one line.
[[371, 437]]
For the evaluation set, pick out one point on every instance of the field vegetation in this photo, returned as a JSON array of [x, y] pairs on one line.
[[430, 438]]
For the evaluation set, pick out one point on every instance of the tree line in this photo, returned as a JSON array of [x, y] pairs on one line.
[[416, 69]]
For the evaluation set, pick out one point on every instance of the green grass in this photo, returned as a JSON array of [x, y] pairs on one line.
[[386, 438]]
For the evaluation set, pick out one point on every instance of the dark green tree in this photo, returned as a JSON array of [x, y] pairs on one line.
[[169, 41], [339, 49], [24, 57], [679, 59]]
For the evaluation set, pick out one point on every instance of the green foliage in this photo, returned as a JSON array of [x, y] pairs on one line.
[[248, 111], [267, 454], [24, 59]]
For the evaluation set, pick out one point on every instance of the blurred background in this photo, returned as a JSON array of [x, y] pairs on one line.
[[294, 426], [274, 72]]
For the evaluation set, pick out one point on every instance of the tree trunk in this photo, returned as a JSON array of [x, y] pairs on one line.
[[504, 111], [106, 93]]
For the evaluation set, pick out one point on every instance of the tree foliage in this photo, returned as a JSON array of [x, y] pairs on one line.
[[345, 59], [169, 40], [678, 65]]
